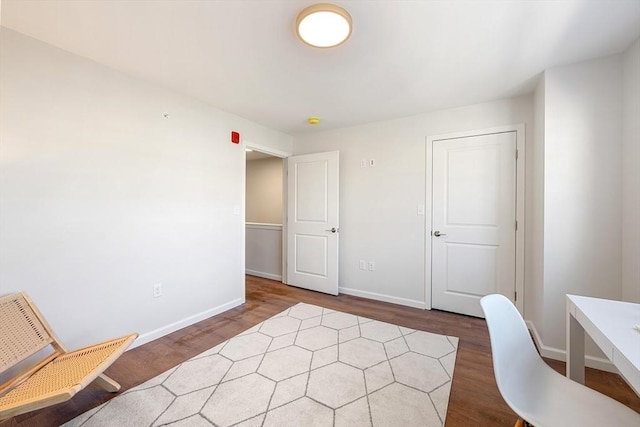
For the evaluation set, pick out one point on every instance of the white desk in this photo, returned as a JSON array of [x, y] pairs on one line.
[[611, 325]]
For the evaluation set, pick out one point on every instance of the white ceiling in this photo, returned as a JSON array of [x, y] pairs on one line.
[[404, 57]]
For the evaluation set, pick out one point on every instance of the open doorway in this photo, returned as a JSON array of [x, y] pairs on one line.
[[264, 215], [308, 196]]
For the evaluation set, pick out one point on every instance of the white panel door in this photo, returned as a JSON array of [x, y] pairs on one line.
[[312, 222], [473, 221]]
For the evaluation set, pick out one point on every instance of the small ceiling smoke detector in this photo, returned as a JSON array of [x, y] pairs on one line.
[[324, 25]]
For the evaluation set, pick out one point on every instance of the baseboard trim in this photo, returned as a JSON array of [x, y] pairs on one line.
[[188, 321], [559, 354], [382, 297], [264, 275]]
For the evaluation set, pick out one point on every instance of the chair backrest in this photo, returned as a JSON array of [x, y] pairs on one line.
[[513, 352], [23, 332]]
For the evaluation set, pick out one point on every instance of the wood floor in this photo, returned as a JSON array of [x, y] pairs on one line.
[[474, 401]]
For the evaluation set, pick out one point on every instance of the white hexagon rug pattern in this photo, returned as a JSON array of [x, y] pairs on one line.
[[306, 366]]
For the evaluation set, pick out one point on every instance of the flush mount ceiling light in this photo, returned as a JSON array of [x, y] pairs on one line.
[[323, 25]]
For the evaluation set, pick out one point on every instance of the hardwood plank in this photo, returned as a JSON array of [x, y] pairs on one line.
[[475, 399]]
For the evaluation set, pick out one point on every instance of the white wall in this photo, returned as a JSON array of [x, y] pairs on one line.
[[575, 191], [101, 196], [264, 191], [631, 175], [534, 261], [264, 250], [378, 206], [582, 187]]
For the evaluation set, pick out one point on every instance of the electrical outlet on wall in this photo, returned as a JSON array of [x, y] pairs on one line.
[[363, 264], [157, 290], [372, 266]]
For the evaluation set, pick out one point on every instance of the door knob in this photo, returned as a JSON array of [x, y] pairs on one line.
[[333, 230], [438, 234]]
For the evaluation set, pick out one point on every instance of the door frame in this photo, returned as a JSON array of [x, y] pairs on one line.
[[275, 153], [520, 204]]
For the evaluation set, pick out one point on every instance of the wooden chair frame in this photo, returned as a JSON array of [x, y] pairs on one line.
[[56, 378]]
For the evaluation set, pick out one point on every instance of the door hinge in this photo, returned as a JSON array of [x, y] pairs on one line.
[[517, 154], [516, 225], [515, 296]]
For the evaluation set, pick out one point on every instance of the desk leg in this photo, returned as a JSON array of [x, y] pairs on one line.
[[575, 349]]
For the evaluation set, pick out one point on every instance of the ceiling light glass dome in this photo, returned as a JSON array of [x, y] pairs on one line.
[[323, 25]]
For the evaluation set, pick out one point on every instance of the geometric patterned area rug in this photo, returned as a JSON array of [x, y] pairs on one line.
[[307, 366]]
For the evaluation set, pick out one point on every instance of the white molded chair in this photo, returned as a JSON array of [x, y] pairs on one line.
[[532, 389]]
